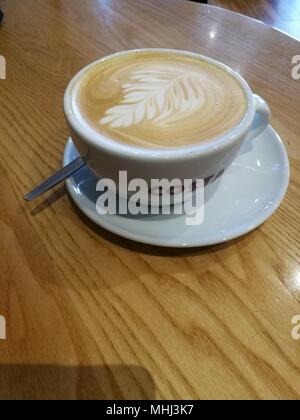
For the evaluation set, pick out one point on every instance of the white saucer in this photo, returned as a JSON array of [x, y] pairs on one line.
[[246, 195]]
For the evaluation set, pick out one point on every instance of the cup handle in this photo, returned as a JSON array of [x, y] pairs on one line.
[[261, 119]]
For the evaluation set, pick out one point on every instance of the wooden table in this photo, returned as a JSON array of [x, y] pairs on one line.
[[90, 315]]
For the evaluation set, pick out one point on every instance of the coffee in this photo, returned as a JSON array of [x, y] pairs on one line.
[[160, 99]]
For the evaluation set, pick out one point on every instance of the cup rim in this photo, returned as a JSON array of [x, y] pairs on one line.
[[102, 143]]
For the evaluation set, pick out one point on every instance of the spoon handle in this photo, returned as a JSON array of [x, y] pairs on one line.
[[55, 179]]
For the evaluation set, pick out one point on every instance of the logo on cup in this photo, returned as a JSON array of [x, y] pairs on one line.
[[296, 68], [296, 328], [2, 67], [2, 328]]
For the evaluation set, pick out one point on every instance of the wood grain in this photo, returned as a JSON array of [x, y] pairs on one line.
[[282, 14], [90, 315]]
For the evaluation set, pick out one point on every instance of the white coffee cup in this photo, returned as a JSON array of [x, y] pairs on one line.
[[204, 160]]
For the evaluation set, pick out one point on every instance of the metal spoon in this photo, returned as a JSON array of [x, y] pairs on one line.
[[55, 179]]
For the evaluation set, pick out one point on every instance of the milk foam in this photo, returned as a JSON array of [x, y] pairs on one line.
[[161, 100]]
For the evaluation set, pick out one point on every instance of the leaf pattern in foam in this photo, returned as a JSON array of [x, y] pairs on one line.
[[158, 95]]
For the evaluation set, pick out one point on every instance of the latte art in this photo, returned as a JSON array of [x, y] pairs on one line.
[[154, 99], [159, 94]]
